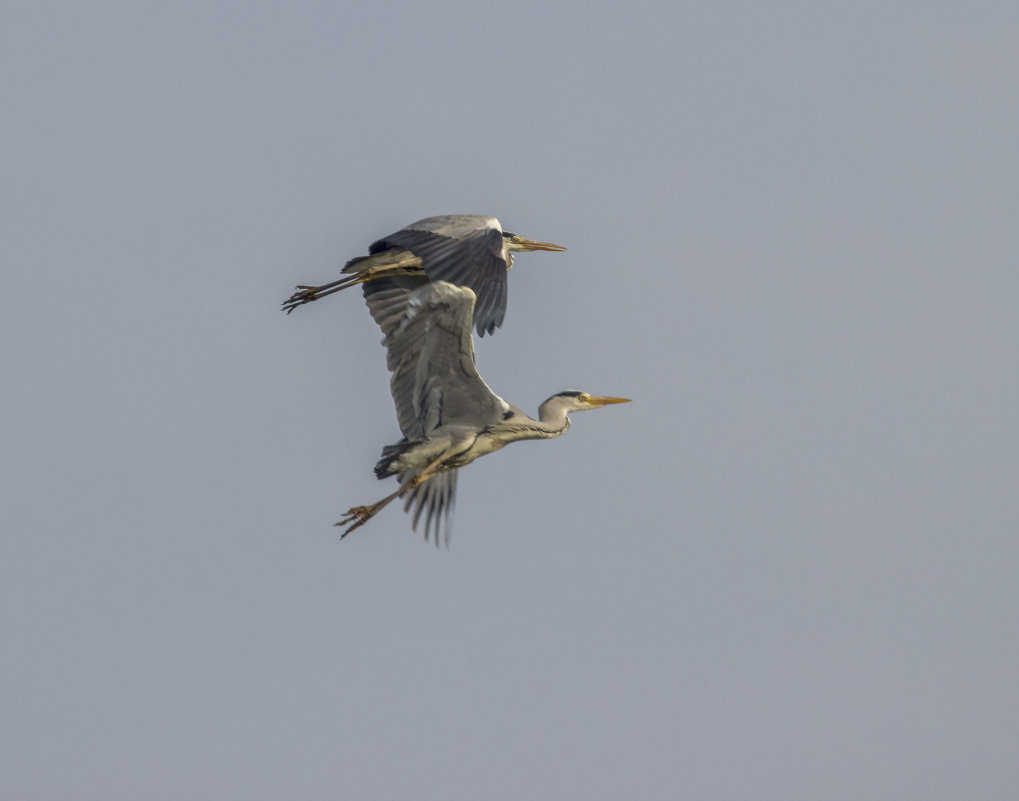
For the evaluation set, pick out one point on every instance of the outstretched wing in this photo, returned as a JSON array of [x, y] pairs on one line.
[[464, 249], [430, 352]]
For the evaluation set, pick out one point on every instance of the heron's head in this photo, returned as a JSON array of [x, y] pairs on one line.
[[572, 400], [514, 244]]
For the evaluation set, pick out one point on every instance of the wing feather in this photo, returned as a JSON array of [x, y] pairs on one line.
[[430, 352], [435, 499]]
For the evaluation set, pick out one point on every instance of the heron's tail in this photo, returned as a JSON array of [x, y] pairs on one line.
[[394, 261], [386, 466]]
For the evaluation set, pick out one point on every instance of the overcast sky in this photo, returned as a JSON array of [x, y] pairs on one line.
[[787, 570]]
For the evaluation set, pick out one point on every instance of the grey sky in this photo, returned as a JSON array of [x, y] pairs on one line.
[[786, 571]]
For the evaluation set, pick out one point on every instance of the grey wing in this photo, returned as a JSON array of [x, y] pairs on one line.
[[466, 250], [430, 353], [387, 299], [434, 499]]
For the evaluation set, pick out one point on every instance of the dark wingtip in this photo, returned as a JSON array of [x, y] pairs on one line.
[[483, 328]]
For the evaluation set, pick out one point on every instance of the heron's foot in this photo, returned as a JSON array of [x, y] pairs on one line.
[[357, 517], [304, 294]]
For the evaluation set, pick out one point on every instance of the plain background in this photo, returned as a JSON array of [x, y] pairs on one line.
[[786, 571]]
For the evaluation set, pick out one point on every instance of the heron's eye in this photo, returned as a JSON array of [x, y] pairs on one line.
[[583, 397]]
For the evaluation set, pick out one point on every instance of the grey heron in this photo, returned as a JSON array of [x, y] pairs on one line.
[[448, 415], [468, 250]]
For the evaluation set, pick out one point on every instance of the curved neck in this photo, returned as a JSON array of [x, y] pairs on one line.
[[552, 417], [552, 421]]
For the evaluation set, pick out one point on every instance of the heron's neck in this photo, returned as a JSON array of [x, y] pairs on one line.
[[552, 419]]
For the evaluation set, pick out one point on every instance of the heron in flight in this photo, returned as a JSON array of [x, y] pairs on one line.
[[448, 415], [468, 250]]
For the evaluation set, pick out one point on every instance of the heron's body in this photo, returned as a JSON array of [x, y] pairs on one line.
[[447, 413], [468, 250], [458, 445]]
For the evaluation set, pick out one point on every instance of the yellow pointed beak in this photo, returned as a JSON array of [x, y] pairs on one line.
[[596, 400], [530, 244]]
